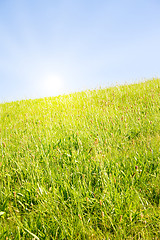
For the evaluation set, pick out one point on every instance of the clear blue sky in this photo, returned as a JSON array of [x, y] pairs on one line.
[[53, 47]]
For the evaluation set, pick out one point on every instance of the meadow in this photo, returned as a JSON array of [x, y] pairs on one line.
[[82, 166]]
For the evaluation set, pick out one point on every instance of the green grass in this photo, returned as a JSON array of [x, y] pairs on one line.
[[82, 166]]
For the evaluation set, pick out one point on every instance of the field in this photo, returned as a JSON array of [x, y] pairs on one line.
[[82, 166]]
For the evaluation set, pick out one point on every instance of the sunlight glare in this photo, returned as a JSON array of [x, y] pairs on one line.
[[52, 85]]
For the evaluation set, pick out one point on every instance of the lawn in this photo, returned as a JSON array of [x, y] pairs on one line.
[[82, 166]]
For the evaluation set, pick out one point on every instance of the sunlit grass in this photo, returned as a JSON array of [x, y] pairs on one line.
[[82, 166]]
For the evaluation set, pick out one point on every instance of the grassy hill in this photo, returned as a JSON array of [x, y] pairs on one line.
[[82, 166]]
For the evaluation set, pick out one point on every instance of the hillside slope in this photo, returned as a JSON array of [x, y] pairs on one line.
[[82, 166]]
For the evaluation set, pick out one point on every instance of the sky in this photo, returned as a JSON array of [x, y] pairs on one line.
[[48, 48]]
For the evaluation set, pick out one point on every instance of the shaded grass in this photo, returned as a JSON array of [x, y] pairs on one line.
[[82, 166]]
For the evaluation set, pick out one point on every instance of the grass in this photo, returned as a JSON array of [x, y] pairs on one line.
[[82, 166]]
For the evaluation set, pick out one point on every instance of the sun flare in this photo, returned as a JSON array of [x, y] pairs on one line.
[[52, 85]]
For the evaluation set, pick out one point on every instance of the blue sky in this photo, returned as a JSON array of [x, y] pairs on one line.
[[54, 47]]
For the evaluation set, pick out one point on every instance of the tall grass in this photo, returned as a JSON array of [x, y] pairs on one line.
[[82, 166]]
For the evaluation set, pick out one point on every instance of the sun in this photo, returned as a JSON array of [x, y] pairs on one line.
[[52, 85]]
